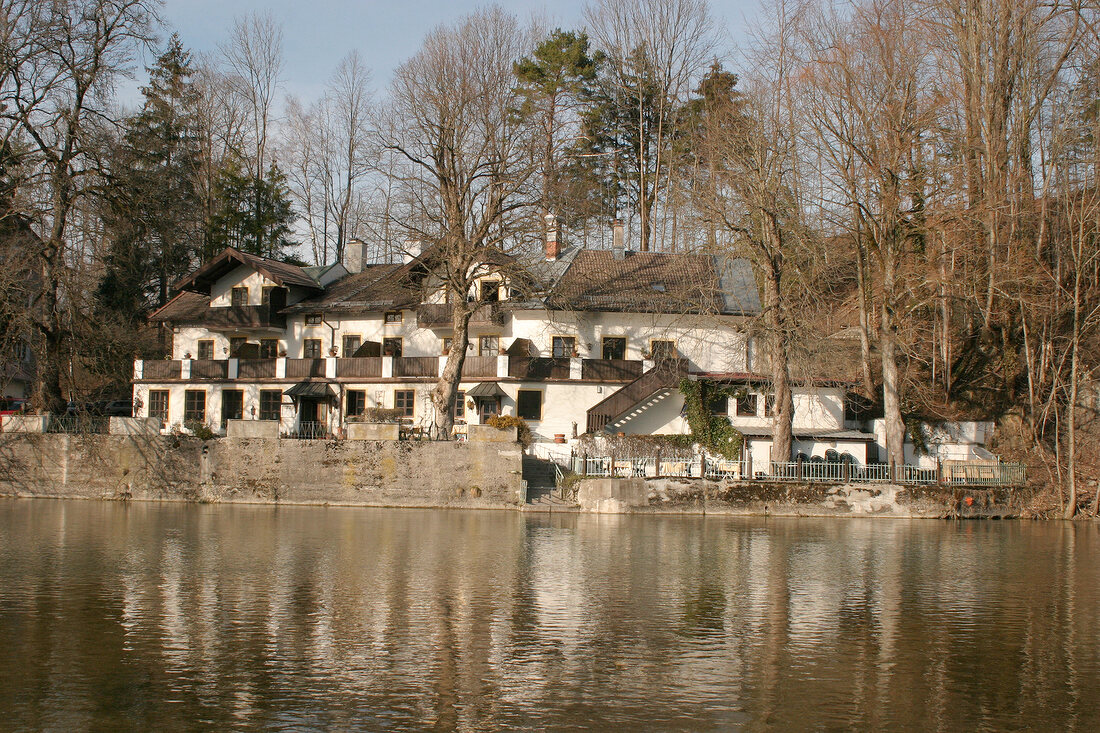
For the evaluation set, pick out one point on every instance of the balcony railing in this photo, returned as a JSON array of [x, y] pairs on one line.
[[244, 316], [538, 368], [361, 367], [210, 369], [416, 366], [611, 370], [305, 368], [441, 315], [256, 369], [161, 369], [476, 367]]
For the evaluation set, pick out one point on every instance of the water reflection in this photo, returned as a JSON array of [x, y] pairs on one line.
[[144, 616]]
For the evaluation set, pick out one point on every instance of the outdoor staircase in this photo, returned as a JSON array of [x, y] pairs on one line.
[[541, 482], [638, 396]]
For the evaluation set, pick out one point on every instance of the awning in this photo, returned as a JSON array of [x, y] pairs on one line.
[[311, 389], [486, 389]]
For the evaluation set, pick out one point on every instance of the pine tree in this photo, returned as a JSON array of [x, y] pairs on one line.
[[252, 217], [550, 82], [153, 213]]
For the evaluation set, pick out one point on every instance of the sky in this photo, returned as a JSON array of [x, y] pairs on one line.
[[318, 33]]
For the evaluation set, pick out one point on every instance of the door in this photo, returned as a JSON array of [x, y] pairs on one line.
[[310, 410], [232, 405], [487, 407]]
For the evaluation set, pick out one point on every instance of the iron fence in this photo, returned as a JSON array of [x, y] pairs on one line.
[[79, 424], [960, 473], [311, 431]]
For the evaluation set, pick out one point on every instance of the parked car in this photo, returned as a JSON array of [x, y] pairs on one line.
[[119, 408], [13, 405]]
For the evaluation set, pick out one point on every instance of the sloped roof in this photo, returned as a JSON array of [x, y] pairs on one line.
[[282, 273], [656, 282], [187, 306], [377, 287]]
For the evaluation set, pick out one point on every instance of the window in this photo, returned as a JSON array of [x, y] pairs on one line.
[[460, 406], [662, 349], [563, 346], [158, 404], [405, 400], [393, 317], [488, 345], [746, 405], [490, 291], [271, 401], [529, 404], [614, 347], [232, 405], [206, 349], [356, 403], [269, 348], [313, 319], [769, 405], [720, 406], [351, 345], [240, 296], [194, 405], [265, 295], [235, 344], [311, 349], [391, 346]]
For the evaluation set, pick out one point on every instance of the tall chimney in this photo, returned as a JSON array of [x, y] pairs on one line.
[[553, 237], [355, 254], [617, 239]]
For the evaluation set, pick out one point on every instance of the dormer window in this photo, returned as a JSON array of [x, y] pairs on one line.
[[393, 317], [490, 291], [658, 287], [313, 319], [240, 296]]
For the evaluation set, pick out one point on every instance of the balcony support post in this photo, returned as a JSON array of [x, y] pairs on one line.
[[185, 369], [280, 368], [387, 367], [330, 367], [234, 370], [575, 367], [139, 368], [502, 366]]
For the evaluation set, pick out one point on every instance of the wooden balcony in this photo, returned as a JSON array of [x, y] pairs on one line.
[[244, 316], [441, 315], [538, 368], [209, 369], [416, 366], [611, 370], [362, 367], [256, 369], [161, 369], [305, 368], [477, 367]]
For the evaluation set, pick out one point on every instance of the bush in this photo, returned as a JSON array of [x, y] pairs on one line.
[[503, 422], [200, 430], [380, 415]]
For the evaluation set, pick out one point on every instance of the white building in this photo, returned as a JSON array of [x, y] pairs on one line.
[[590, 340]]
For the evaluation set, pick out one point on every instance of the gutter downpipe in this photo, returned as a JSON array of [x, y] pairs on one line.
[[339, 385]]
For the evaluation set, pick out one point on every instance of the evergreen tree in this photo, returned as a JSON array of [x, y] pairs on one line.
[[551, 82], [254, 217], [153, 212]]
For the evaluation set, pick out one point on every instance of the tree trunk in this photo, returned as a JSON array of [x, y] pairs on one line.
[[443, 395], [891, 397], [779, 365]]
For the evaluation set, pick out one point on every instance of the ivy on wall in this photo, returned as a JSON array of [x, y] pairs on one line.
[[711, 431]]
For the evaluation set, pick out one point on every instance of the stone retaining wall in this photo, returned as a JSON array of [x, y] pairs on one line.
[[259, 470], [696, 496]]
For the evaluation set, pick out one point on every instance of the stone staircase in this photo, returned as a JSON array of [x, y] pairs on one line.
[[541, 487]]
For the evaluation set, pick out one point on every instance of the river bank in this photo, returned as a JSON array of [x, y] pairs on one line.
[[483, 475]]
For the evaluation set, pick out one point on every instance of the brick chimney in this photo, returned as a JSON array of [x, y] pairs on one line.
[[354, 255], [617, 245], [553, 237]]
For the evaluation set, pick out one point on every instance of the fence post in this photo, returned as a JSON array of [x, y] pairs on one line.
[[847, 473], [939, 472], [584, 471], [657, 465], [798, 468]]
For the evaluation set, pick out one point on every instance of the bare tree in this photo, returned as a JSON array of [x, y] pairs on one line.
[[59, 62], [656, 52], [467, 160]]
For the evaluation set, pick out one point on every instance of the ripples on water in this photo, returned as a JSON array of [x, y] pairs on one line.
[[151, 617]]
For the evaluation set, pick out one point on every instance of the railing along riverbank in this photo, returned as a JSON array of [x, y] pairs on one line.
[[956, 473]]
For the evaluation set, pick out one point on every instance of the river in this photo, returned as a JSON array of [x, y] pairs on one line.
[[165, 617]]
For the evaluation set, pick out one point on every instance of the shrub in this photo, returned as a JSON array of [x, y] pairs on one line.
[[200, 430], [382, 415], [503, 422]]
